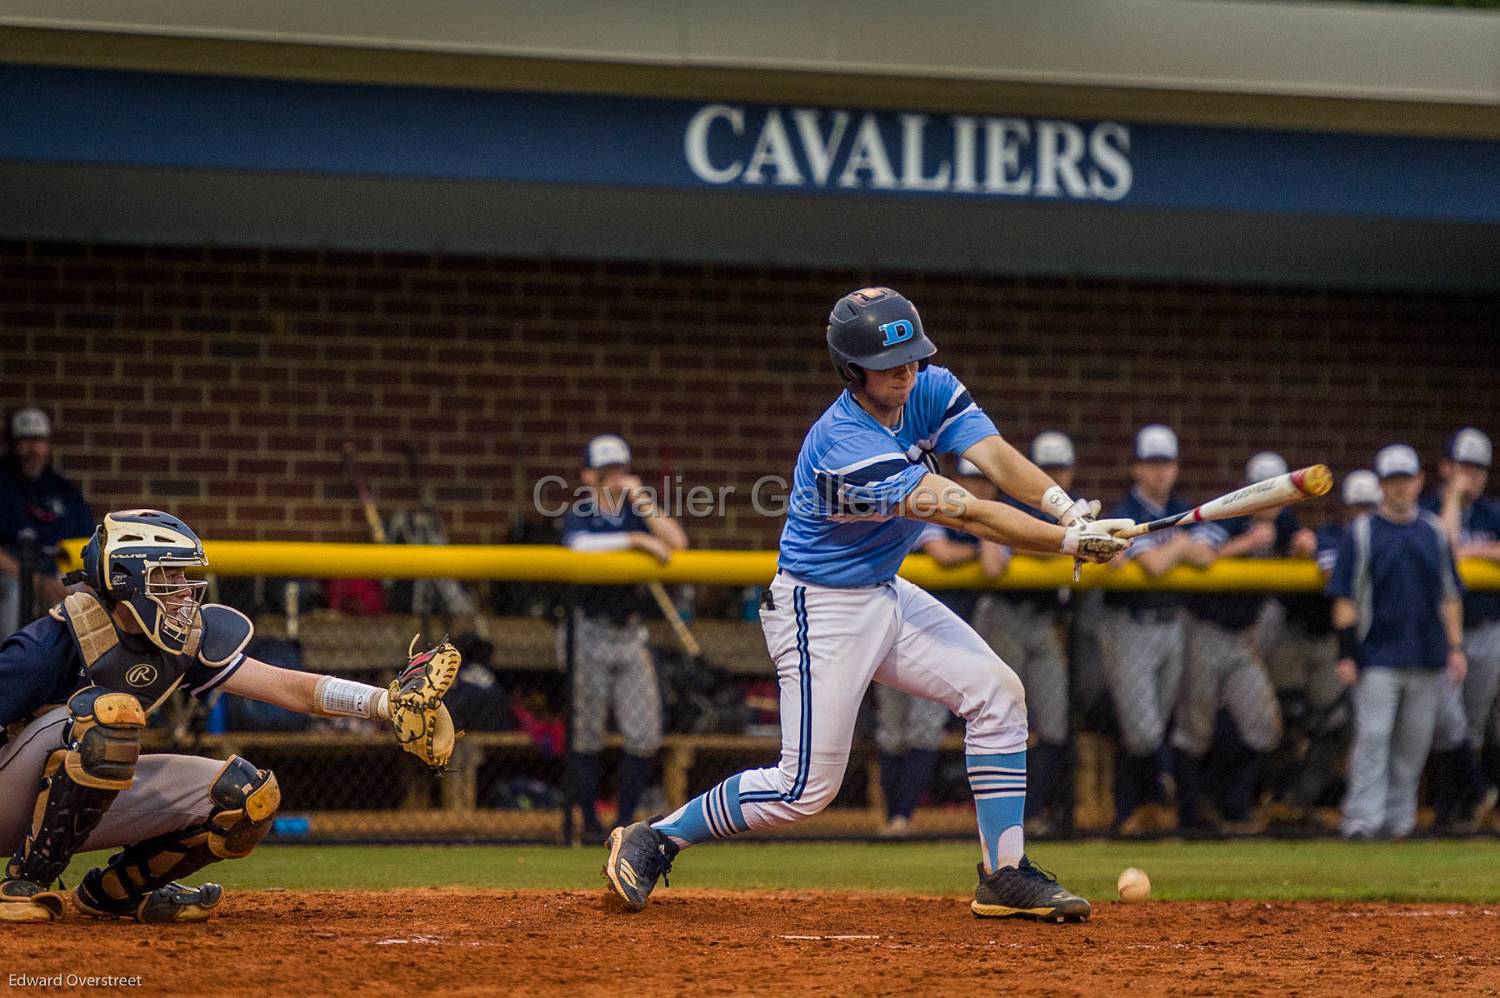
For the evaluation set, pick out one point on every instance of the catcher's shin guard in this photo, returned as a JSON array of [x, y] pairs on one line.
[[139, 880], [172, 903], [79, 783]]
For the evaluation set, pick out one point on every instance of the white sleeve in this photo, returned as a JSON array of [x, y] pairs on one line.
[[599, 542], [931, 532], [1210, 533]]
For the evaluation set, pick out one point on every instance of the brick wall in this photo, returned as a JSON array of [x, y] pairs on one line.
[[222, 383]]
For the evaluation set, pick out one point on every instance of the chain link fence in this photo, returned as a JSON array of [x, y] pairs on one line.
[[575, 701], [581, 706], [585, 704]]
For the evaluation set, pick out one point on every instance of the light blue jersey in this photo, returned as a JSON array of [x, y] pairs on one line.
[[852, 473]]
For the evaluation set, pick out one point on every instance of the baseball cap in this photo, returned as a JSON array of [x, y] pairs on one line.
[[1361, 488], [1396, 459], [1266, 464], [968, 468], [605, 450], [1156, 443], [1052, 450], [29, 423], [1470, 446]]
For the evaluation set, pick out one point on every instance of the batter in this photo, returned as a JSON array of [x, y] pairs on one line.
[[837, 616]]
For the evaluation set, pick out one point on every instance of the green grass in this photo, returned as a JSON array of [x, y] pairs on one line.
[[1260, 870]]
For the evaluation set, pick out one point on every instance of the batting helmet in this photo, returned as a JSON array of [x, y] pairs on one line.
[[127, 562], [875, 329]]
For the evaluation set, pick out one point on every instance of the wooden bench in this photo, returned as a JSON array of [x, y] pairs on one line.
[[460, 787], [348, 645]]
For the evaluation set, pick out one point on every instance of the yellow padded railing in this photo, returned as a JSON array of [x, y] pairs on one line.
[[549, 563]]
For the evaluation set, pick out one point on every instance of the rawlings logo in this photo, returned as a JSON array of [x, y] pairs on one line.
[[141, 675]]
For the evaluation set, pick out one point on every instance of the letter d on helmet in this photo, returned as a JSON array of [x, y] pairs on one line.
[[875, 329], [131, 561]]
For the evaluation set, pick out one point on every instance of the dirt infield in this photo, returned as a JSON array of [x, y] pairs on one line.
[[720, 943]]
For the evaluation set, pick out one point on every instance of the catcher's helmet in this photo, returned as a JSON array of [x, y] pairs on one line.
[[874, 329], [126, 562]]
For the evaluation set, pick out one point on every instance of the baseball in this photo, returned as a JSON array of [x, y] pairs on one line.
[[1134, 885]]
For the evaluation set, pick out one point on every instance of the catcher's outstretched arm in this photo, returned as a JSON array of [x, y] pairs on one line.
[[413, 702], [307, 692]]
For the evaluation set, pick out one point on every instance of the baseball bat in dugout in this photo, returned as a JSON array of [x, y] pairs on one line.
[[684, 636]]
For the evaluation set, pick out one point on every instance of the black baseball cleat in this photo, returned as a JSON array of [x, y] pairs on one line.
[[173, 903], [1027, 891], [638, 854]]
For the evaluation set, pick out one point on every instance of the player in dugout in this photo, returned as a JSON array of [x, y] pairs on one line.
[[1025, 627], [1141, 637], [613, 667], [1224, 672], [1398, 613], [1303, 662], [76, 686], [1468, 729]]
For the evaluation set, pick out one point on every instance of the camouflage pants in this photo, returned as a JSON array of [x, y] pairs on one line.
[[1299, 662], [613, 669], [1472, 711], [1143, 666], [905, 722], [1222, 671], [1027, 638]]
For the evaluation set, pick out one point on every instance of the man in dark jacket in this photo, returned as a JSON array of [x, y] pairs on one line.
[[34, 497]]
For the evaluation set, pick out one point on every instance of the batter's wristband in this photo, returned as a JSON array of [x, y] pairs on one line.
[[1348, 643], [1057, 503]]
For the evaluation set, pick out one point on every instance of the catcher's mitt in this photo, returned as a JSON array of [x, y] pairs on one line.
[[423, 726]]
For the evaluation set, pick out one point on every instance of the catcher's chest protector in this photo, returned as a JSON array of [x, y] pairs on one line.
[[149, 676]]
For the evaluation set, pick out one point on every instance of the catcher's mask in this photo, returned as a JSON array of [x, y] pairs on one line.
[[138, 558]]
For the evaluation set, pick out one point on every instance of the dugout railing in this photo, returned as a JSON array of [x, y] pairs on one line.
[[512, 778]]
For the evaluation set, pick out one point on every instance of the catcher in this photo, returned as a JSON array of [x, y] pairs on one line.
[[76, 687]]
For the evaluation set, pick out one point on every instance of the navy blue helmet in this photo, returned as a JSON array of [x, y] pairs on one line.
[[875, 329], [134, 560]]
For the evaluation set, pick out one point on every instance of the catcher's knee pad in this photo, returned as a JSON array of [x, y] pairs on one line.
[[80, 781], [106, 738], [244, 799]]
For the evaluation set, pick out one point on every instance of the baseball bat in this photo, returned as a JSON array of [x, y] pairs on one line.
[[366, 499], [684, 636], [1294, 486], [425, 526]]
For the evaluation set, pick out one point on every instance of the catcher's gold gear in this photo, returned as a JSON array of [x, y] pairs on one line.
[[140, 881], [423, 726], [79, 783]]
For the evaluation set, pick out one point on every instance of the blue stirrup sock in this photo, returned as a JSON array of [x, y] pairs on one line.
[[712, 815], [999, 785]]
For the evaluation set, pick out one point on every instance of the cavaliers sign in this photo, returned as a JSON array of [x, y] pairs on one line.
[[72, 116], [729, 144]]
